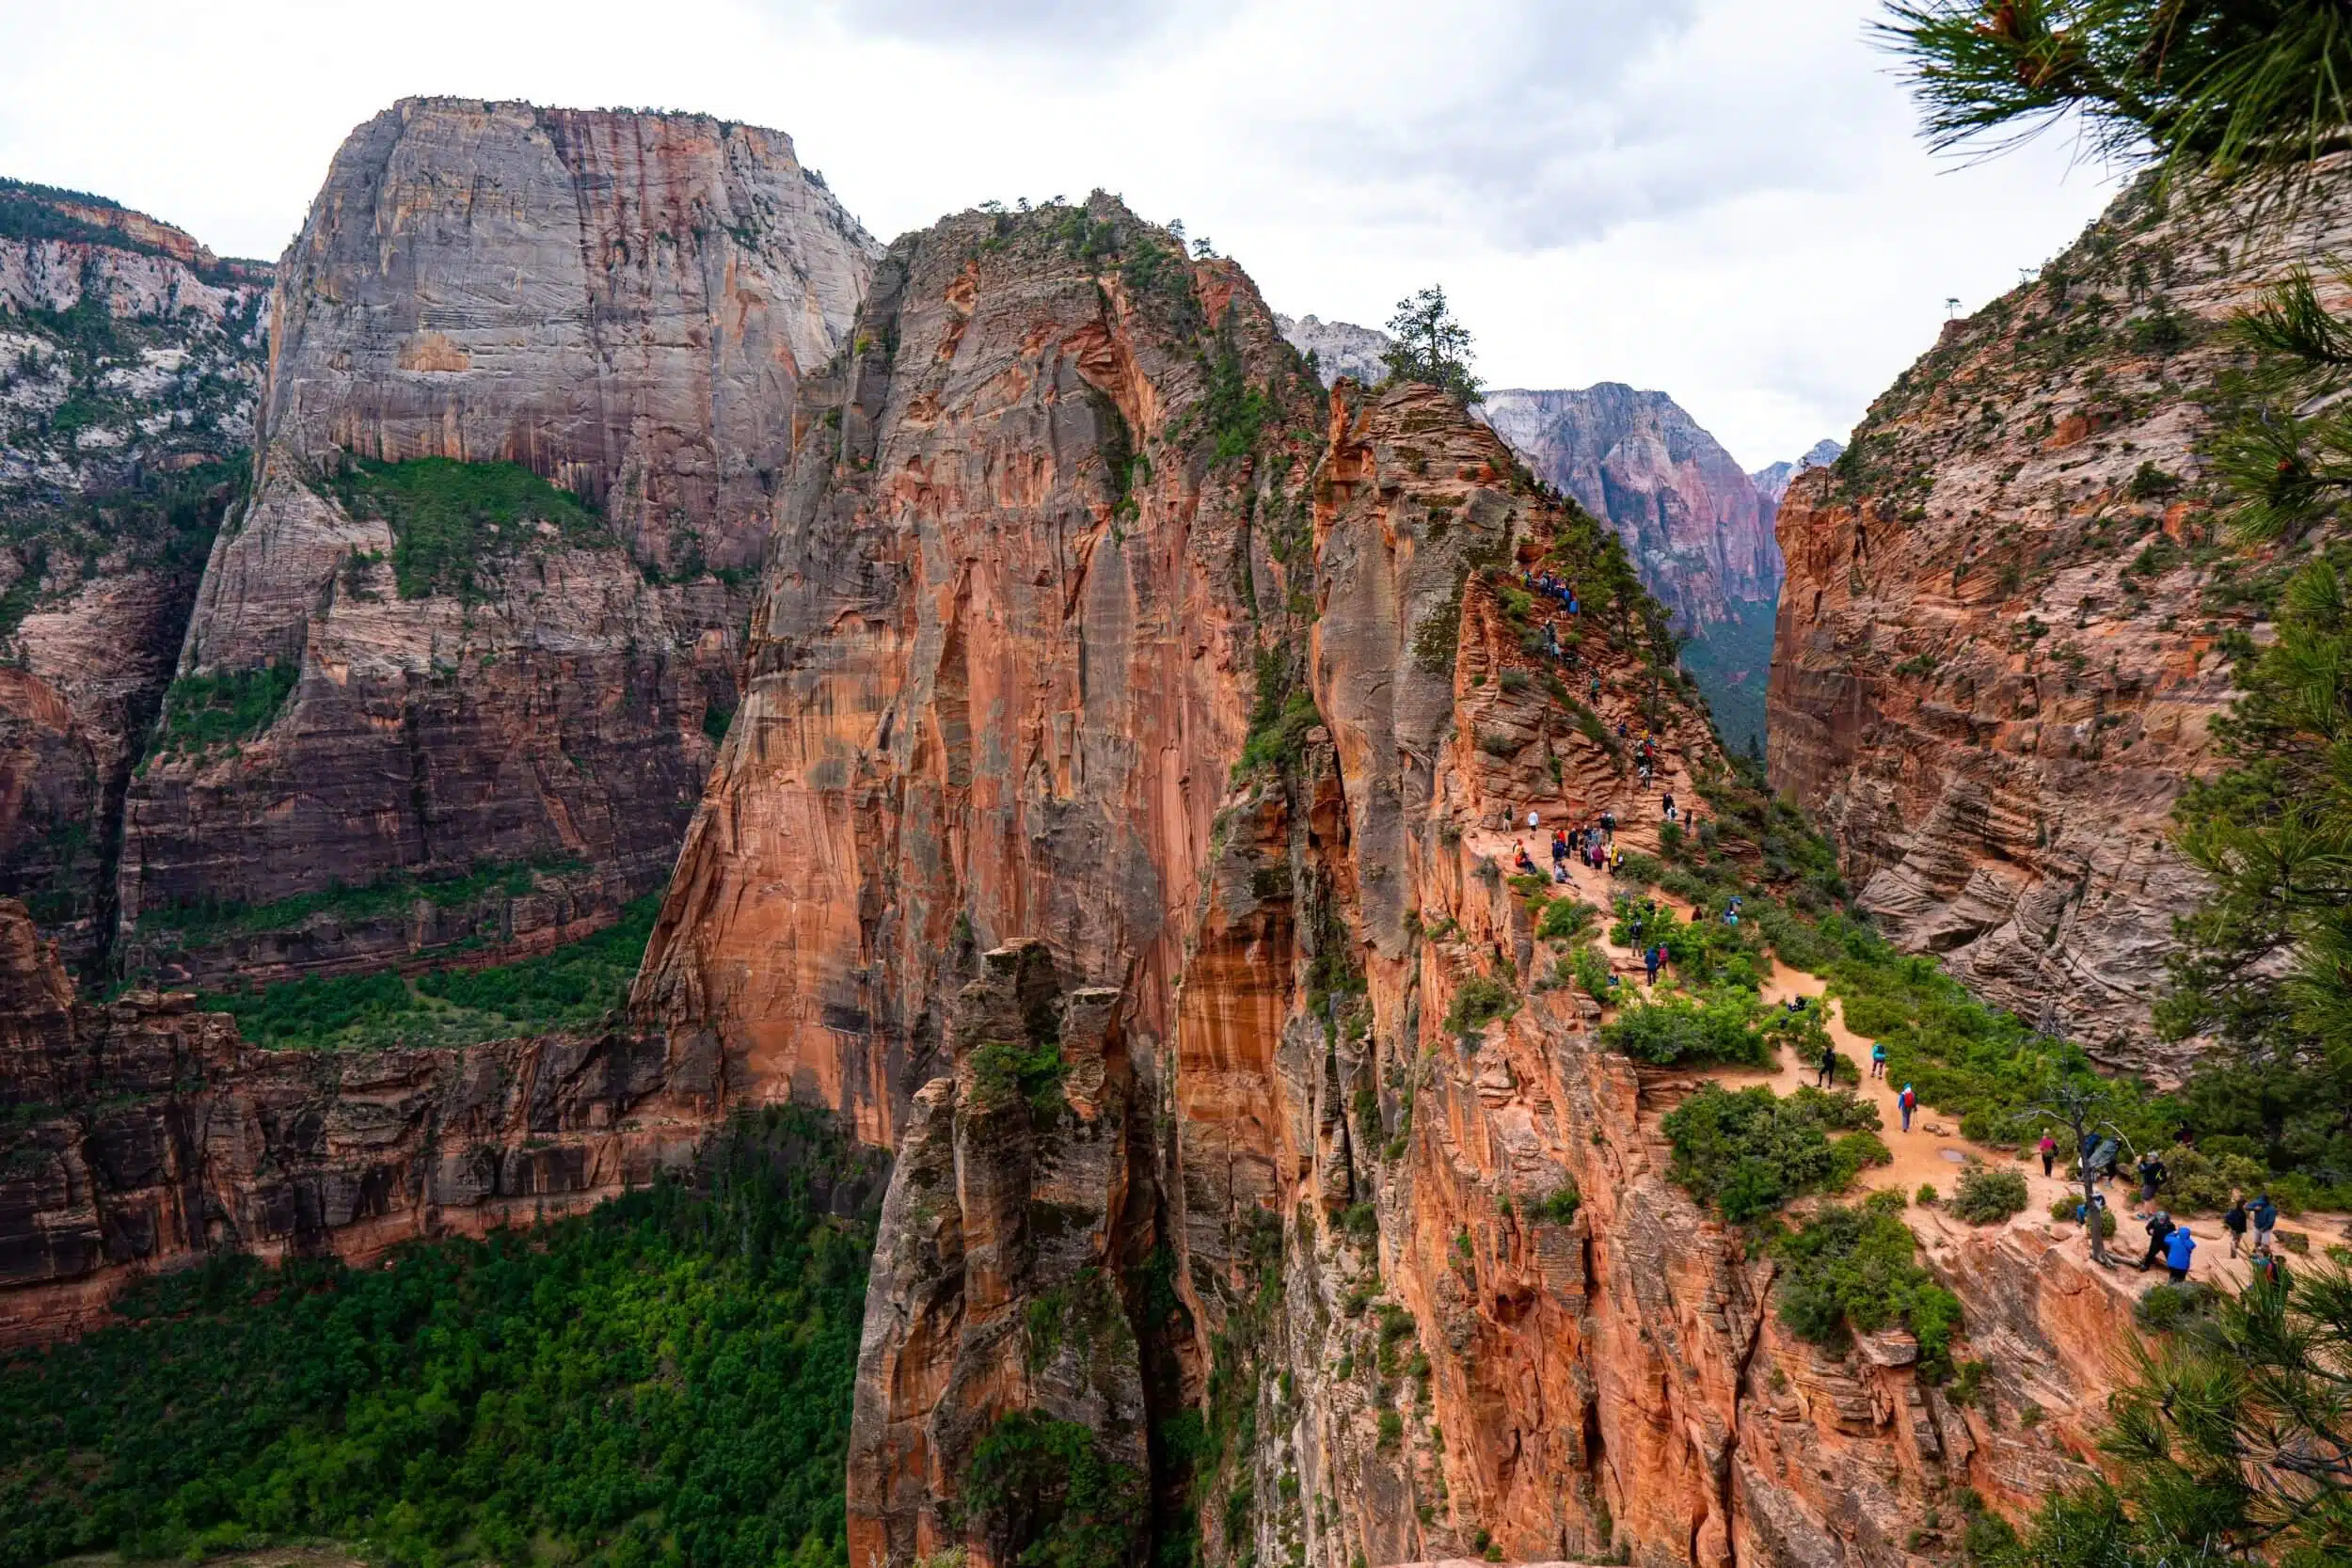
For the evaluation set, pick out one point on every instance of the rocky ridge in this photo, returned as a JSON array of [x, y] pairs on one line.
[[130, 361], [1999, 649], [621, 304], [1161, 1041]]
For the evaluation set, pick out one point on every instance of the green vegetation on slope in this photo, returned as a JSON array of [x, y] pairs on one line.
[[576, 986], [449, 518], [386, 895], [664, 1381]]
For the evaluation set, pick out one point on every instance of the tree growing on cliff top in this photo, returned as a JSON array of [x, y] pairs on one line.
[[1431, 346], [2246, 94]]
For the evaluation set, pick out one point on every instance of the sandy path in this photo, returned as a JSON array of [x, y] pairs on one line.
[[1933, 1152]]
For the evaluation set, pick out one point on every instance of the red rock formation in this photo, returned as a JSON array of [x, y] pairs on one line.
[[143, 1134], [1997, 660], [625, 303]]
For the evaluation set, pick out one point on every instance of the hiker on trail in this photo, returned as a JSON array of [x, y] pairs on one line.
[[1668, 805], [2095, 1214], [1534, 821], [2264, 1214], [2152, 1176], [1643, 771], [1616, 859], [1551, 640], [2177, 1248], [2234, 1221], [1609, 824], [2047, 1147], [2159, 1227], [1525, 866], [1560, 854], [1829, 1066], [1907, 1102], [1794, 1004], [1620, 729], [2271, 1269], [1651, 957], [2102, 1160], [1878, 1058]]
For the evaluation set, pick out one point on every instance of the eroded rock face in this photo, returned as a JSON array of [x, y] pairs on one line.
[[143, 1134], [999, 666], [1690, 516], [1996, 658], [129, 361], [1016, 1212], [623, 303], [1400, 1351]]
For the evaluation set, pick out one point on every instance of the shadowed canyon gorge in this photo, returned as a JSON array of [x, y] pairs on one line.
[[1023, 707]]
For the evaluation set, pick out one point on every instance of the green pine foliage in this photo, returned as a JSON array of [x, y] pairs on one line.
[[450, 519], [1044, 1493], [1724, 1025], [664, 1381], [1749, 1151], [1852, 1271], [2243, 93], [1432, 347], [222, 707], [580, 986], [393, 894]]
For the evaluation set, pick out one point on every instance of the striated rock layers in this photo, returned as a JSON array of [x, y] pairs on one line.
[[622, 303], [1689, 517], [1111, 826], [1999, 648], [130, 360], [143, 1134]]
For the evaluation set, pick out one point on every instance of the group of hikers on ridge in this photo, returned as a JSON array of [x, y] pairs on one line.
[[2169, 1243]]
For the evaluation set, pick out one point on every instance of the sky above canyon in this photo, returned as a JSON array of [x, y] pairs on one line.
[[1720, 199]]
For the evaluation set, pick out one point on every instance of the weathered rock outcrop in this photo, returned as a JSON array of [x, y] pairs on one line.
[[1997, 653], [1069, 542], [624, 304], [129, 362], [143, 1134]]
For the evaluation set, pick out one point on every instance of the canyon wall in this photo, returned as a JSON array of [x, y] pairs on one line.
[[1110, 825], [624, 305], [1999, 649], [130, 361], [142, 1134]]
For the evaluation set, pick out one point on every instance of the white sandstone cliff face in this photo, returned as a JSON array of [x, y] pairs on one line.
[[129, 363], [1339, 348], [623, 303]]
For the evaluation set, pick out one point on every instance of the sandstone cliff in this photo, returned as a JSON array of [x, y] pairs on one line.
[[1697, 528], [143, 1134], [129, 358], [1339, 349], [623, 303], [1771, 481], [1998, 647], [1688, 515], [1111, 826]]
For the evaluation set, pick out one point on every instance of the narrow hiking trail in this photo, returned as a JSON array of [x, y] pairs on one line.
[[1933, 1152]]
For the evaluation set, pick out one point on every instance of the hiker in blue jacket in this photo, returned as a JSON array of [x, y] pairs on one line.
[[2177, 1248]]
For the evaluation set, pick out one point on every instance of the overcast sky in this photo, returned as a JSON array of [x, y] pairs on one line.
[[1719, 198]]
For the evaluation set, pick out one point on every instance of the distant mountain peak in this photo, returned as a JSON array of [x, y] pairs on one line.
[[1771, 482], [1338, 348]]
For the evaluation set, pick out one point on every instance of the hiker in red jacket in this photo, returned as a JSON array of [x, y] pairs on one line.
[[1909, 1102]]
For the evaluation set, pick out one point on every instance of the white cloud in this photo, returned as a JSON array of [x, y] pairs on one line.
[[1715, 198]]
